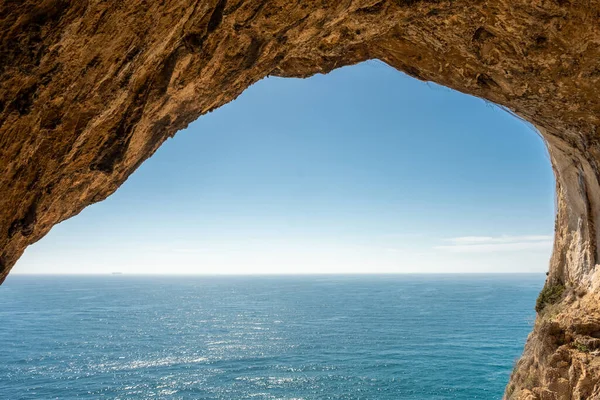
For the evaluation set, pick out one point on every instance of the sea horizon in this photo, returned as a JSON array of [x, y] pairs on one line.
[[119, 273]]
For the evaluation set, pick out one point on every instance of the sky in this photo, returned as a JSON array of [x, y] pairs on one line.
[[362, 170]]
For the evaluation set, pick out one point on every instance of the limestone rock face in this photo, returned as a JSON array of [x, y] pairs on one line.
[[91, 88]]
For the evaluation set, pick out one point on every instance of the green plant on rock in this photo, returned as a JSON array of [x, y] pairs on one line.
[[529, 381], [550, 294], [581, 347]]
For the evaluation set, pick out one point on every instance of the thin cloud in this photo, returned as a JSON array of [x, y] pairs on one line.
[[192, 250], [491, 244], [403, 235]]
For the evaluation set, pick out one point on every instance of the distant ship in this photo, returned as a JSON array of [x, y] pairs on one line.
[[117, 273]]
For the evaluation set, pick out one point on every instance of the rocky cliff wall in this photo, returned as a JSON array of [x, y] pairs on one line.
[[89, 89]]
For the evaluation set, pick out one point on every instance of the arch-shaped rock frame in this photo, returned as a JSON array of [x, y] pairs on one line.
[[91, 88]]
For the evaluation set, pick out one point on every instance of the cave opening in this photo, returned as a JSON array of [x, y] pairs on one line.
[[361, 170]]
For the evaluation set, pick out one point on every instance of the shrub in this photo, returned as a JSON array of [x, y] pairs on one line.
[[581, 347], [550, 294]]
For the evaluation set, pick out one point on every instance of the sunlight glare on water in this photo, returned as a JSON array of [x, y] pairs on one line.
[[406, 337]]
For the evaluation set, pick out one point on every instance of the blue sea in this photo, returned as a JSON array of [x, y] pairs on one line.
[[412, 337]]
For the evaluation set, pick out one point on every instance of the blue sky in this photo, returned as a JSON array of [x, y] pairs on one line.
[[361, 170]]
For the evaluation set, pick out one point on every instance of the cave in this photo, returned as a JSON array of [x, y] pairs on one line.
[[89, 90]]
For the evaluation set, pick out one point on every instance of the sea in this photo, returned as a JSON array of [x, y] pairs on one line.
[[404, 337]]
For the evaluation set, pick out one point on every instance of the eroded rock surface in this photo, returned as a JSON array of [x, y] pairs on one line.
[[91, 88]]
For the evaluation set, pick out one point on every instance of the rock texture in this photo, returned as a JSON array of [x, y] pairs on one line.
[[91, 88]]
